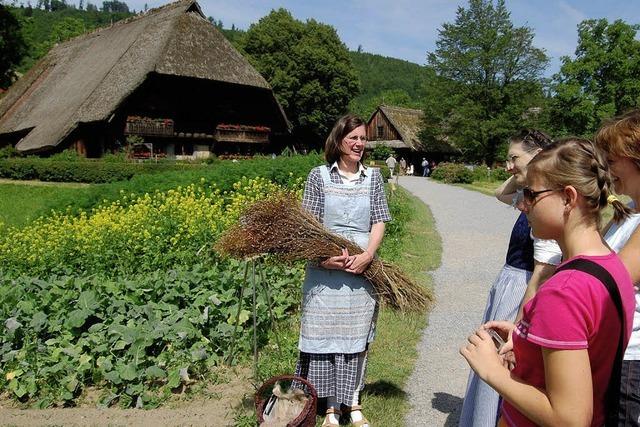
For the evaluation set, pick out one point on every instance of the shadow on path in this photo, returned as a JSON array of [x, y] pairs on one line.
[[448, 404]]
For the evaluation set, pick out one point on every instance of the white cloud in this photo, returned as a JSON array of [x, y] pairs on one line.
[[575, 15]]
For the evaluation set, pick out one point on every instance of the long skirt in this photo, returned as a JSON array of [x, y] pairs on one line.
[[481, 402]]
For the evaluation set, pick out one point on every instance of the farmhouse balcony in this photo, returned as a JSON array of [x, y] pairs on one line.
[[243, 134]]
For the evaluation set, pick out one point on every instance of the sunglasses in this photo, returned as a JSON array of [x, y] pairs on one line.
[[530, 196]]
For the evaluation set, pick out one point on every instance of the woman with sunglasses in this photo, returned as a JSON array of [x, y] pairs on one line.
[[339, 307], [528, 261], [619, 140], [563, 343]]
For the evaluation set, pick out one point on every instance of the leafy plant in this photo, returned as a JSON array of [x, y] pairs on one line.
[[381, 152], [452, 173], [136, 337]]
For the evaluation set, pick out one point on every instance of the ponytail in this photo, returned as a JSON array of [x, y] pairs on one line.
[[620, 210]]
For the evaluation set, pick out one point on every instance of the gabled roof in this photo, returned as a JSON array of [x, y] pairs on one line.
[[88, 77], [408, 122]]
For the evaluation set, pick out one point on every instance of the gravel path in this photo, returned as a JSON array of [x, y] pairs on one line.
[[475, 233]]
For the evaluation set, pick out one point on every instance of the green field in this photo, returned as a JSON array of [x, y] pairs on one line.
[[22, 203]]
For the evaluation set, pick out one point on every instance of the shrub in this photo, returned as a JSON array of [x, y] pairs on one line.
[[500, 174], [65, 170], [452, 173], [8, 152], [381, 152], [68, 155]]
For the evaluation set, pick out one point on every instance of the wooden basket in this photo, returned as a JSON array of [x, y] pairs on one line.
[[306, 418]]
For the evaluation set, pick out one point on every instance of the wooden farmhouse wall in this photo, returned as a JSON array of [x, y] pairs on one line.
[[379, 129]]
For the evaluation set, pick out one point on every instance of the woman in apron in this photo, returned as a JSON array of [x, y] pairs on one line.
[[339, 306]]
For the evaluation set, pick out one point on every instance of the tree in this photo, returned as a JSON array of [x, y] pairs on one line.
[[12, 46], [487, 78], [308, 68], [115, 6], [57, 5], [602, 80], [61, 31], [395, 97]]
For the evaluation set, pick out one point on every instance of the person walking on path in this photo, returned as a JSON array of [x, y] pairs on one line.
[[339, 306], [474, 231], [425, 167], [391, 163], [528, 261], [403, 166]]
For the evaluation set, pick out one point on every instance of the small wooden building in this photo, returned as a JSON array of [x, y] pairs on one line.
[[168, 77], [399, 128]]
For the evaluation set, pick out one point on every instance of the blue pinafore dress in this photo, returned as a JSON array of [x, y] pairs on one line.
[[339, 309]]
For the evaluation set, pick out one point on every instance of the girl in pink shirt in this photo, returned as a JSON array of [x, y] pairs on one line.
[[565, 344]]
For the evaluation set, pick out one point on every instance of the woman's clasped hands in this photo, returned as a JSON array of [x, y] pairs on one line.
[[481, 352], [355, 264]]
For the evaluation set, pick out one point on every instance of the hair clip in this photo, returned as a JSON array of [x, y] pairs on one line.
[[612, 199]]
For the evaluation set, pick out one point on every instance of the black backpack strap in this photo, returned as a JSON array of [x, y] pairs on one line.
[[612, 397]]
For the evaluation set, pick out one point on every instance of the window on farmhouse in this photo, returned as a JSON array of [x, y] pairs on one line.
[[380, 132]]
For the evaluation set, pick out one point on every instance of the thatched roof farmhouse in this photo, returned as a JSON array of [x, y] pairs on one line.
[[399, 128], [168, 76]]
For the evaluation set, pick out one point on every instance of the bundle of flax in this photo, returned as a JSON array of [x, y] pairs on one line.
[[279, 226]]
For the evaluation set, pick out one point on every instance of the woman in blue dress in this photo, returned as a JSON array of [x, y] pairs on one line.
[[339, 306], [528, 260]]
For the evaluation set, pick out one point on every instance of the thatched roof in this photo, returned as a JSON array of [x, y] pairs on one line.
[[87, 78], [407, 122], [395, 143]]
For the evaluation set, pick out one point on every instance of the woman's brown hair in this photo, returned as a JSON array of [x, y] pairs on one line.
[[531, 139], [342, 128], [577, 162], [620, 136]]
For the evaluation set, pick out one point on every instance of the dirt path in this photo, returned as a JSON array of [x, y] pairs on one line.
[[218, 409], [475, 233]]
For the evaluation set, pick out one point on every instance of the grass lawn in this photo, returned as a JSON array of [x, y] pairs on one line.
[[393, 353], [22, 203], [484, 187]]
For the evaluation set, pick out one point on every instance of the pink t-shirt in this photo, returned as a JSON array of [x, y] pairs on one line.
[[571, 311]]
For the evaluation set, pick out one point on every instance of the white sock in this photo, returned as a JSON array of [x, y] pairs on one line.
[[333, 418], [332, 402]]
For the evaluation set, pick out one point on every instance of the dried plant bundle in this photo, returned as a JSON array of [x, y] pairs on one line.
[[280, 226]]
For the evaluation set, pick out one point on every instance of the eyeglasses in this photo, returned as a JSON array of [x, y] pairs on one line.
[[512, 159], [536, 137], [530, 196], [355, 139]]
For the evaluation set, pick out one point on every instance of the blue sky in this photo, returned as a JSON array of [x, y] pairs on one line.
[[408, 29]]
